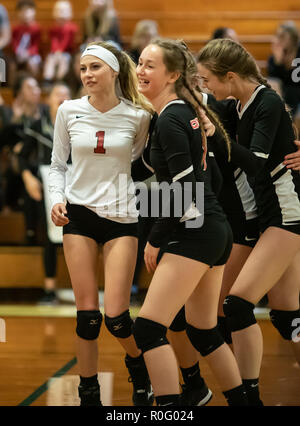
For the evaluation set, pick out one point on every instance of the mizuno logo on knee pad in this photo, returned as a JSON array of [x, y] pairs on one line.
[[119, 326], [88, 324]]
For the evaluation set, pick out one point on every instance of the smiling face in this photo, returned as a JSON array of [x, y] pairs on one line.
[[152, 73], [220, 87], [96, 75]]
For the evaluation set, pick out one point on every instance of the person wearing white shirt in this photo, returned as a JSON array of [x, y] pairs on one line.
[[95, 203]]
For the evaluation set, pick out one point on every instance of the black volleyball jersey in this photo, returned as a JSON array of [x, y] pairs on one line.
[[176, 156], [265, 135], [236, 195]]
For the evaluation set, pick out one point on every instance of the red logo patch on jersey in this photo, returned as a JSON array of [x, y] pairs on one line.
[[195, 123]]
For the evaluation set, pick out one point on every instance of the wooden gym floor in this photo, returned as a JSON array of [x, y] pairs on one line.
[[38, 363]]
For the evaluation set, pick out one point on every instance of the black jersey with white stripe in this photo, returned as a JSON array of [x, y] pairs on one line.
[[236, 195], [265, 135], [176, 156]]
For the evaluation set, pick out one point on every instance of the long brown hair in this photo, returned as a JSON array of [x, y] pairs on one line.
[[223, 55], [177, 57]]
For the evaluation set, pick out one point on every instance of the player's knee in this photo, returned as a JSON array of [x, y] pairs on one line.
[[224, 329], [239, 313], [149, 334], [88, 324], [204, 341], [120, 326], [179, 322], [285, 322]]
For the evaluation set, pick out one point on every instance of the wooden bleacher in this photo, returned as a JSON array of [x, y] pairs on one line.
[[192, 20]]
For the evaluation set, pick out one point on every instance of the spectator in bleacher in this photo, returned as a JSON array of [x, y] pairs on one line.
[[73, 77], [26, 108], [62, 36], [224, 32], [36, 152], [5, 33], [5, 116], [101, 22], [145, 30], [26, 38], [285, 48]]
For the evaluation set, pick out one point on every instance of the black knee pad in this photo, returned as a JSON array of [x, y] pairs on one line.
[[283, 322], [224, 329], [205, 341], [88, 324], [120, 326], [239, 313], [149, 334], [179, 322]]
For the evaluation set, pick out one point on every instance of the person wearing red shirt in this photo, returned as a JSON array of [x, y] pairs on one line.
[[26, 38], [62, 39]]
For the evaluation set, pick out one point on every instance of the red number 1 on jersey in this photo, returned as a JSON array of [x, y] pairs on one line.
[[100, 143]]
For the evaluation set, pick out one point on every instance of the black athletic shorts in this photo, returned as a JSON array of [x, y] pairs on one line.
[[295, 229], [83, 221], [245, 232], [210, 244]]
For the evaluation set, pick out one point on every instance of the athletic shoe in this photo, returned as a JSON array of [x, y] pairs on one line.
[[193, 396], [142, 389], [89, 396], [49, 298]]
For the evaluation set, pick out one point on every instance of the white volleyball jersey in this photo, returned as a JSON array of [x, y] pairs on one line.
[[102, 146]]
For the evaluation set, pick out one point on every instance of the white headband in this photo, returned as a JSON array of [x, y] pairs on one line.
[[104, 54]]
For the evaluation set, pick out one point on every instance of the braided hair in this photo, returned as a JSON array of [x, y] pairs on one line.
[[177, 57]]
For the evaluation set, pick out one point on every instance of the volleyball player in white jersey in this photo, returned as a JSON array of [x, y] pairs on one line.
[[103, 132]]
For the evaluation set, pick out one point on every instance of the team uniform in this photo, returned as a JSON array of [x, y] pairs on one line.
[[180, 162], [177, 155], [99, 192], [101, 205], [265, 136], [236, 195]]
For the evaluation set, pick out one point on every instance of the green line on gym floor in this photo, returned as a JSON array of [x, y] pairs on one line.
[[44, 387]]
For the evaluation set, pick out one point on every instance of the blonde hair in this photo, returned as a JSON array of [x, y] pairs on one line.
[[127, 77], [177, 57]]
